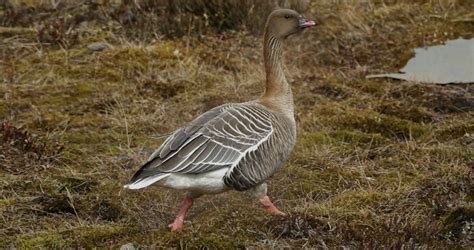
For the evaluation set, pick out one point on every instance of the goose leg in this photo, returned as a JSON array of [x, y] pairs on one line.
[[260, 192], [265, 200], [187, 204]]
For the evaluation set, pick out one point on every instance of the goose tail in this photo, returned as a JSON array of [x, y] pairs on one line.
[[144, 177], [144, 182]]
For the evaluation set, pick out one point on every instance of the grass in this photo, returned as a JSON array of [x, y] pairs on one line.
[[378, 163]]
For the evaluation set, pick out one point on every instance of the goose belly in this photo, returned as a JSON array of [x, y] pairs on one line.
[[205, 183]]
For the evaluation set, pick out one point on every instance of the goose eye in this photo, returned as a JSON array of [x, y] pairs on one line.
[[287, 16]]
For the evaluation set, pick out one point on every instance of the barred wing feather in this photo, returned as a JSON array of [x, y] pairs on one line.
[[218, 138]]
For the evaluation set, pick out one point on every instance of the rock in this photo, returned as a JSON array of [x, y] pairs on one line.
[[99, 46], [128, 246]]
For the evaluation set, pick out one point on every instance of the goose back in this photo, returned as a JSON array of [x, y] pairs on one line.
[[259, 164]]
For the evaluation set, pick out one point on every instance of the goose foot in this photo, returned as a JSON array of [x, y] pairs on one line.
[[176, 225], [265, 200], [178, 222]]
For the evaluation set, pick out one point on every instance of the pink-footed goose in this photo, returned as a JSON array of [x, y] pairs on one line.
[[236, 145]]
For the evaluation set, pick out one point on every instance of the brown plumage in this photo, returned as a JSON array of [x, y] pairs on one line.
[[237, 145]]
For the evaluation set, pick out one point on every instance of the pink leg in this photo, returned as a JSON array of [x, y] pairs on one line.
[[265, 200], [178, 222]]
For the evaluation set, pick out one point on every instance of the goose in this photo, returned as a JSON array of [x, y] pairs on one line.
[[235, 146]]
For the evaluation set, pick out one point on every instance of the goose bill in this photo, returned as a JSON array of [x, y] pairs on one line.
[[304, 23]]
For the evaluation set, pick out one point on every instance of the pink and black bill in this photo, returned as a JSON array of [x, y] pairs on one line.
[[305, 23]]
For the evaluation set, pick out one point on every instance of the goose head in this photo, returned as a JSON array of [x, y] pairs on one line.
[[285, 22]]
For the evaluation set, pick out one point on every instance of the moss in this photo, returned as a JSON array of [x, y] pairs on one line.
[[52, 100], [115, 64], [333, 90], [406, 111], [76, 185], [86, 236], [45, 241], [140, 57], [97, 35], [25, 187], [314, 138], [405, 57], [195, 240], [312, 181], [109, 210], [61, 59], [457, 223], [358, 199], [202, 232], [95, 140], [399, 179], [8, 201], [213, 240], [373, 122], [7, 32], [164, 89], [358, 137], [298, 226], [372, 87], [350, 204], [340, 136], [84, 88], [57, 203], [3, 110], [97, 235], [444, 153], [454, 131], [90, 137]]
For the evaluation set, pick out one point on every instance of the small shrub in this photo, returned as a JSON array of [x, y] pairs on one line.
[[182, 17]]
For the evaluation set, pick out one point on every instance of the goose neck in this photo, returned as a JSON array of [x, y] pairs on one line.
[[273, 54], [277, 90]]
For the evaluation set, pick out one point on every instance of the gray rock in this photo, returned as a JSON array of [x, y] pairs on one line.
[[128, 246], [98, 46]]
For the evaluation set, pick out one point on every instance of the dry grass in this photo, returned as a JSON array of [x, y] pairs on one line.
[[60, 21], [378, 163]]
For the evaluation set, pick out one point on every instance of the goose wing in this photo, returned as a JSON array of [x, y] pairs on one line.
[[218, 138]]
